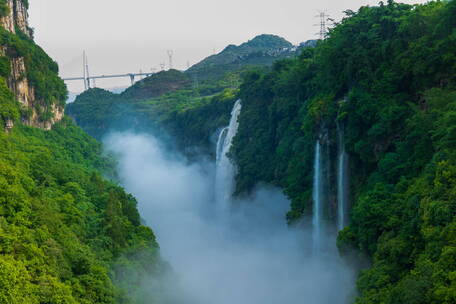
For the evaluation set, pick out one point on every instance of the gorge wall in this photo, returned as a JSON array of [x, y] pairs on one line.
[[379, 94], [29, 73]]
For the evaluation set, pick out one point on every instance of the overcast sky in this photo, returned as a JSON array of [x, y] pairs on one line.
[[124, 36]]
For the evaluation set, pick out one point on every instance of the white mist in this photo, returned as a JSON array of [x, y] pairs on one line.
[[245, 255]]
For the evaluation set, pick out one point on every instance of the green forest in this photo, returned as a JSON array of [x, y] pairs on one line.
[[68, 235], [178, 112], [188, 106], [68, 232], [385, 75], [388, 75]]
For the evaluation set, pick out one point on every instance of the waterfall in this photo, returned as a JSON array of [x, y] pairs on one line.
[[220, 144], [225, 170], [342, 180], [317, 200]]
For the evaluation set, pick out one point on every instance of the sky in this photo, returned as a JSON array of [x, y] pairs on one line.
[[128, 36]]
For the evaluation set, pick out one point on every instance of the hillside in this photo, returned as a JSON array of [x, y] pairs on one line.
[[189, 119], [162, 103], [169, 98], [157, 84], [30, 74], [67, 233], [262, 50], [382, 86]]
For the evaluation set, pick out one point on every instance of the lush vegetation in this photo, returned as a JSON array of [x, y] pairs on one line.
[[262, 50], [387, 75], [190, 106], [188, 114], [67, 234], [9, 107], [157, 84], [42, 71], [4, 10]]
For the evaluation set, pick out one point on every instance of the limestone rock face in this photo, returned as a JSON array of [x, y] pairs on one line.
[[18, 16], [17, 80]]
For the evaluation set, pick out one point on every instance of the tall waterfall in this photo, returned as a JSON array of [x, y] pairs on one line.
[[317, 196], [225, 170], [342, 180]]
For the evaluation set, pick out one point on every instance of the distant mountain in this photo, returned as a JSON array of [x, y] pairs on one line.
[[260, 51], [164, 94], [157, 84]]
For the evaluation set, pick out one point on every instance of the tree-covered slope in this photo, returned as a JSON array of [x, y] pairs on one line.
[[165, 104], [157, 84], [386, 75], [67, 235], [262, 50], [187, 119], [170, 101], [30, 73]]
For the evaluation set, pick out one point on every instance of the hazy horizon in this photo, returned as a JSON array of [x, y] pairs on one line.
[[126, 38]]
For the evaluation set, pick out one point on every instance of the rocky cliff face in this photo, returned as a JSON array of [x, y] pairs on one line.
[[17, 17], [18, 82]]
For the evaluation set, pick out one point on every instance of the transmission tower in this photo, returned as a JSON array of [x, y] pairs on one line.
[[86, 71], [170, 56], [323, 27]]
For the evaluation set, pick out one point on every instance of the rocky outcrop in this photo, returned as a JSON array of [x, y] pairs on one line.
[[19, 84], [17, 17]]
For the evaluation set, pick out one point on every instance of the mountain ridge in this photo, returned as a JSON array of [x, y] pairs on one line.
[[262, 50]]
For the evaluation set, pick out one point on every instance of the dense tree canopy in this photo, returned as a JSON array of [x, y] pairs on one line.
[[387, 74], [63, 227], [184, 115]]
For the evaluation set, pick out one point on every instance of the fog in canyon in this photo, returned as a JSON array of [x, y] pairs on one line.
[[242, 252]]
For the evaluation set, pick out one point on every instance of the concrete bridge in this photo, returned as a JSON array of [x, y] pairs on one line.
[[87, 79]]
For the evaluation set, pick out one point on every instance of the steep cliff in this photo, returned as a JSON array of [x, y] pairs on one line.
[[386, 77], [16, 16], [67, 235], [29, 73]]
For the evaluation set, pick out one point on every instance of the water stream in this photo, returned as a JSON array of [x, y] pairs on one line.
[[247, 254], [317, 194], [225, 170], [342, 181]]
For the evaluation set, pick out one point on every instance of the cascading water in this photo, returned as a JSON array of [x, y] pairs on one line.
[[317, 200], [342, 181], [230, 253], [225, 170]]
